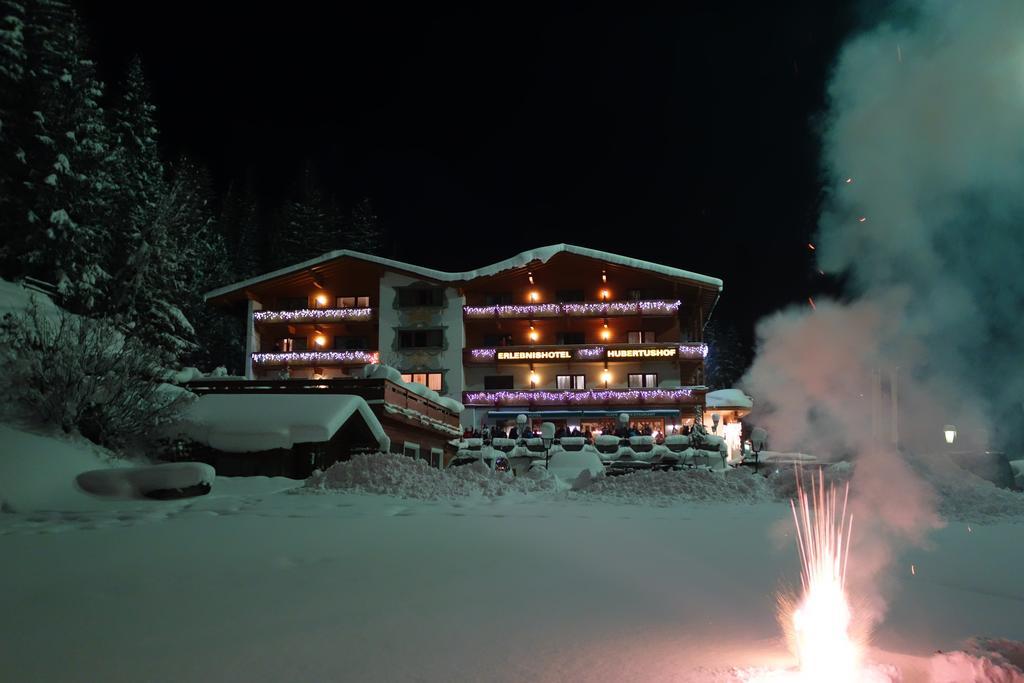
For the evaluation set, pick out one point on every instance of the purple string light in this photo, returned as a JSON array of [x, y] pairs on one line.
[[324, 314], [584, 397], [315, 357], [693, 350], [484, 353], [662, 307]]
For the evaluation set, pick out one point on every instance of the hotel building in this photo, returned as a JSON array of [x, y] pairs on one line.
[[563, 334]]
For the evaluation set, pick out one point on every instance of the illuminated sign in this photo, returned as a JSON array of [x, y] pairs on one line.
[[642, 353], [534, 355]]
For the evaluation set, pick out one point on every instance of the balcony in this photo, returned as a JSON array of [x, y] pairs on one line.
[[683, 396], [316, 315], [355, 357], [576, 353], [654, 307]]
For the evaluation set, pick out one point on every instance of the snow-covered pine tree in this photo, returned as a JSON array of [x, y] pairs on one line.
[[139, 189], [363, 232], [61, 227], [307, 226]]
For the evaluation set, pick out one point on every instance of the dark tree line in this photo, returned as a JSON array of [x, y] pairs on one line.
[[88, 204]]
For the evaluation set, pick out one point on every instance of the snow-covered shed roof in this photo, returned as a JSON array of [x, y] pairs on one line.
[[243, 423], [728, 398], [542, 255]]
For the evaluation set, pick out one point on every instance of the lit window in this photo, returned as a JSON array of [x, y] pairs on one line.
[[566, 382], [431, 380], [346, 302], [641, 337], [638, 381], [363, 301]]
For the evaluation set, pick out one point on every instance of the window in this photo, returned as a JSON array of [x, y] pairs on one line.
[[569, 295], [572, 338], [498, 382], [566, 382], [346, 302], [411, 449], [293, 303], [499, 299], [431, 380], [362, 302], [436, 457], [492, 340], [420, 339], [641, 337], [294, 344], [350, 343], [641, 381], [411, 297]]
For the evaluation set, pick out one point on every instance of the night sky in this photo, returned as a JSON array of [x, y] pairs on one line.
[[686, 138]]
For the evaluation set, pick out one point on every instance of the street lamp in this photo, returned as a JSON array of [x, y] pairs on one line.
[[949, 431], [758, 440], [547, 435]]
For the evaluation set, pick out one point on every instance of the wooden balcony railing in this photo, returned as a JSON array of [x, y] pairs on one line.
[[653, 307]]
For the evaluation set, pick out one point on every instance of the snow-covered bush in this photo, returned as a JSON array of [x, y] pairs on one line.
[[84, 376]]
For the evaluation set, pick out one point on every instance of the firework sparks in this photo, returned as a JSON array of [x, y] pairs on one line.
[[818, 622]]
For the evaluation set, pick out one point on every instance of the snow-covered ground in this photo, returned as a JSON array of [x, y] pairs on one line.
[[626, 581]]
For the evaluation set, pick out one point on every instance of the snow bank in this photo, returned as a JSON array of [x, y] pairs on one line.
[[242, 423], [15, 298], [173, 480], [665, 488], [985, 661], [965, 496], [38, 472], [728, 398], [404, 477]]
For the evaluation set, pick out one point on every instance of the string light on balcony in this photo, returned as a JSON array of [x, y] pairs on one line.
[[656, 307], [590, 352], [693, 350], [313, 314], [316, 357], [484, 354], [579, 397]]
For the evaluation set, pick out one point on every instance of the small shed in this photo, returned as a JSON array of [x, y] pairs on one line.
[[272, 434]]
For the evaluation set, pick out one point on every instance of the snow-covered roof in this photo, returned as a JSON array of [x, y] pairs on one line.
[[542, 254], [242, 423], [728, 398]]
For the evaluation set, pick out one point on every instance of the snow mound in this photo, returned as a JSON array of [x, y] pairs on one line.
[[404, 477], [985, 661], [664, 488], [37, 472], [173, 480], [964, 496]]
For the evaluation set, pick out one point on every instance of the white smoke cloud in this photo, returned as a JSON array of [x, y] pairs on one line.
[[926, 120]]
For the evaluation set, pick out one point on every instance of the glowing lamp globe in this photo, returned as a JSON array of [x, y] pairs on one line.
[[949, 431]]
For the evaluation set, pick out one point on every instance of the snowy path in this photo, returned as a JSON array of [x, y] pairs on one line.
[[250, 585]]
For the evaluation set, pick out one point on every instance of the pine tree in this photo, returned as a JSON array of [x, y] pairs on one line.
[[363, 232], [307, 226], [239, 224], [63, 200], [728, 357], [139, 189], [12, 115]]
